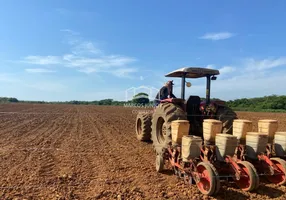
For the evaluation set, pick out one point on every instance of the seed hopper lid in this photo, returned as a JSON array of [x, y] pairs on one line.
[[268, 120], [257, 133], [280, 133], [212, 121], [242, 121], [226, 135], [180, 120]]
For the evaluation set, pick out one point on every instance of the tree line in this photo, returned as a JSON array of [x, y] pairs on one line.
[[75, 102], [273, 102]]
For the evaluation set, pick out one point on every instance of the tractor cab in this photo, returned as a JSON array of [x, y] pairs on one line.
[[194, 104], [196, 109], [194, 72]]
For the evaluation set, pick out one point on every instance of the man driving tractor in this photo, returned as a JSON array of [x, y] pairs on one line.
[[165, 92]]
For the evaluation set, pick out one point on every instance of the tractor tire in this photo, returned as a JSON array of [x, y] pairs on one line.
[[226, 116], [162, 117], [143, 127]]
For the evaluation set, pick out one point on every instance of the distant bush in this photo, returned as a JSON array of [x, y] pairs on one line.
[[8, 100]]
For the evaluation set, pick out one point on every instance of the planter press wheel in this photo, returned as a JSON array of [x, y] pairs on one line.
[[217, 179], [248, 179], [257, 176], [159, 163], [207, 179], [279, 176]]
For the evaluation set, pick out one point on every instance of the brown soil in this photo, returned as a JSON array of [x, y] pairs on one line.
[[91, 152]]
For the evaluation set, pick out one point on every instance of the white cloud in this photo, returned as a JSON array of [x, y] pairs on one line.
[[71, 32], [124, 72], [227, 69], [85, 57], [39, 70], [42, 60], [85, 48], [97, 63], [87, 70], [47, 86], [259, 65], [210, 66], [217, 36]]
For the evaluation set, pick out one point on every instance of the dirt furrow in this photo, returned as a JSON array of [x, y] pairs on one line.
[[133, 169], [37, 159], [91, 152]]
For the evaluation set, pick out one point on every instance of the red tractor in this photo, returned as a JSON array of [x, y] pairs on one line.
[[157, 126]]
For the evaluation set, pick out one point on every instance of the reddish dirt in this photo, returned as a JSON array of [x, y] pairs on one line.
[[91, 152]]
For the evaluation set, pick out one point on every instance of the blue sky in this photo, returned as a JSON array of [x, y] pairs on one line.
[[90, 50]]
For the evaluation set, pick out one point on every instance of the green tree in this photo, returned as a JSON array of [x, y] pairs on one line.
[[105, 102]]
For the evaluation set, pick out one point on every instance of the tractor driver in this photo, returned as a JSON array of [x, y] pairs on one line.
[[165, 92]]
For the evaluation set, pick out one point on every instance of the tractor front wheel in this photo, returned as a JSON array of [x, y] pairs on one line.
[[143, 127]]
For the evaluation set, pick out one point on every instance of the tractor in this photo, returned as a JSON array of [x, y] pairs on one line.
[[157, 126], [198, 140]]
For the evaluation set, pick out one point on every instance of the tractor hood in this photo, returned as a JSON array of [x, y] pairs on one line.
[[193, 72]]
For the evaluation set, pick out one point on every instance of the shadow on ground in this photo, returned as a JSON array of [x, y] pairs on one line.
[[229, 191], [269, 191]]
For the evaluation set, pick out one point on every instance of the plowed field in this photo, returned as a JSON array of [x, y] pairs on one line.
[[91, 152]]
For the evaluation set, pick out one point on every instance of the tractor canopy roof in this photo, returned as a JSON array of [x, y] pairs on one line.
[[193, 72]]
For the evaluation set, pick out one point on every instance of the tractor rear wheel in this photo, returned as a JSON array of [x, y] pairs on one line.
[[164, 114], [143, 126], [226, 115]]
